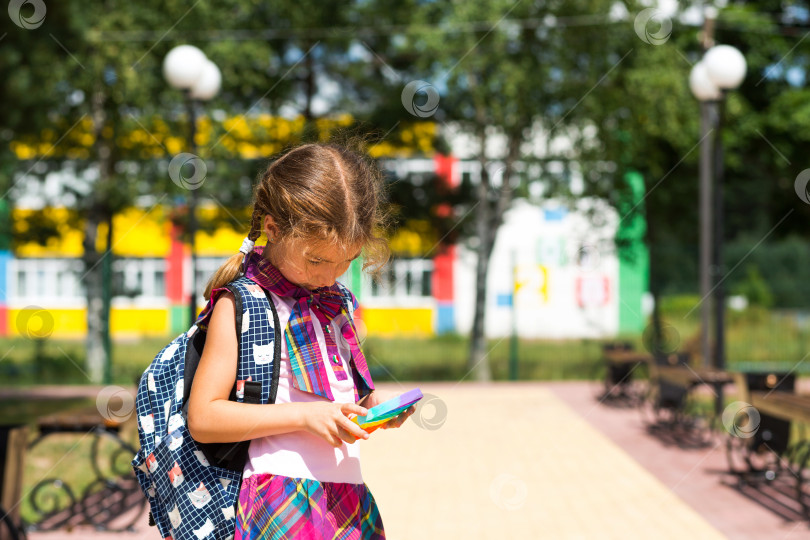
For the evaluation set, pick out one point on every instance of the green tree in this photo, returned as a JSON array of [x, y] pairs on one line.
[[507, 72], [647, 120], [86, 72], [95, 71]]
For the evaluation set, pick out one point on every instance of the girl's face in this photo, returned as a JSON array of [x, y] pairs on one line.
[[310, 265]]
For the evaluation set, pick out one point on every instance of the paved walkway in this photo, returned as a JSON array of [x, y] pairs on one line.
[[540, 460], [697, 475], [514, 461]]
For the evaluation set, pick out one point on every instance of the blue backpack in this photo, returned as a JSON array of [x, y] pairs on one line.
[[193, 488]]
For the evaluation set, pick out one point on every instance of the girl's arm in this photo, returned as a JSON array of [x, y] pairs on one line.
[[212, 417]]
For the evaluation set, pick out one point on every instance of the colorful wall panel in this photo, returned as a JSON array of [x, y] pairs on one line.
[[392, 322]]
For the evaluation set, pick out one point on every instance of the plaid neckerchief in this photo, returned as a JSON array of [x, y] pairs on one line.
[[326, 303]]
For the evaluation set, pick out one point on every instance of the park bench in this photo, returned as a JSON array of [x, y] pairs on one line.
[[13, 439], [621, 361], [75, 420], [782, 405], [112, 491], [767, 435], [673, 383]]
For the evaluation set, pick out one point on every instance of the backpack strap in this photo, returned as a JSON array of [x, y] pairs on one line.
[[259, 351], [258, 363]]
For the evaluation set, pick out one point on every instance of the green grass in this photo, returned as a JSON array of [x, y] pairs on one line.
[[754, 336], [63, 361], [445, 358], [439, 358]]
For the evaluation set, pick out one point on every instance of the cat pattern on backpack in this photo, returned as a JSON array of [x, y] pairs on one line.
[[190, 497]]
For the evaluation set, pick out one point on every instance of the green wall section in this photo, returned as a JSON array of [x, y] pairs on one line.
[[634, 257], [178, 318], [356, 273]]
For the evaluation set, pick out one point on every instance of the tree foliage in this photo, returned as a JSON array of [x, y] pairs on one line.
[[526, 82]]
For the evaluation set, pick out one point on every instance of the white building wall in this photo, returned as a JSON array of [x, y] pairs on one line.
[[567, 274]]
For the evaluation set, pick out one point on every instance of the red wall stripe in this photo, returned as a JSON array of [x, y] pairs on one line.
[[447, 171]]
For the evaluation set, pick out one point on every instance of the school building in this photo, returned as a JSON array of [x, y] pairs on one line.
[[554, 273]]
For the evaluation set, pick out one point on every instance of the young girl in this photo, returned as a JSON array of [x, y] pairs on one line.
[[319, 206]]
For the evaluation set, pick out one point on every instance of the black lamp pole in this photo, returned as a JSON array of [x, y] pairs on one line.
[[719, 227], [192, 209], [186, 67], [707, 113]]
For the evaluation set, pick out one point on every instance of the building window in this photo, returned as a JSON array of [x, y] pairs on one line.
[[66, 280], [39, 281], [427, 282], [139, 278], [22, 283], [119, 283], [402, 279], [160, 282], [206, 267]]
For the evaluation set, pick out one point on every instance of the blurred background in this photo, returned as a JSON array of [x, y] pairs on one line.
[[541, 158], [560, 174]]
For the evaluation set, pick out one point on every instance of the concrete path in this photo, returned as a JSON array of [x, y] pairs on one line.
[[514, 461], [698, 475]]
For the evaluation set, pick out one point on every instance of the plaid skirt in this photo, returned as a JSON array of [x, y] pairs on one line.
[[278, 507]]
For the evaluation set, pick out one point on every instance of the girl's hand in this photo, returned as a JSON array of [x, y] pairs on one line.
[[398, 420], [375, 398], [330, 421]]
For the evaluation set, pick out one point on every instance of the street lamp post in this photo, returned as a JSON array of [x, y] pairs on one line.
[[187, 68], [722, 69], [705, 91]]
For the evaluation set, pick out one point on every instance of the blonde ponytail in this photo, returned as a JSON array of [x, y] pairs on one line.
[[233, 266], [224, 274]]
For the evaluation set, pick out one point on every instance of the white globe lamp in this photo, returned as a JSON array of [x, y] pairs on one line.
[[725, 66], [183, 66], [207, 86], [701, 84]]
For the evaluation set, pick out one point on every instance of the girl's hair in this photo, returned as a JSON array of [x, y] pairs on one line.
[[324, 192]]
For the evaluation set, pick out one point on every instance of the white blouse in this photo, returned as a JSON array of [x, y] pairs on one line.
[[300, 454]]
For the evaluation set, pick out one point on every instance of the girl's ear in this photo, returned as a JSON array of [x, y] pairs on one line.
[[270, 228]]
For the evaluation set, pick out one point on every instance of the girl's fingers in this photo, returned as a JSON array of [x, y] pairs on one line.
[[405, 414], [353, 431], [348, 408], [348, 435], [395, 422]]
